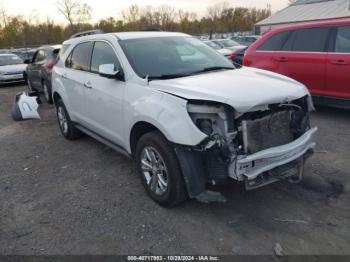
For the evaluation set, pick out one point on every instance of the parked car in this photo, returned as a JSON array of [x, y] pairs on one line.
[[183, 112], [12, 68], [229, 44], [39, 70], [224, 51], [29, 54], [237, 49], [317, 55], [246, 40]]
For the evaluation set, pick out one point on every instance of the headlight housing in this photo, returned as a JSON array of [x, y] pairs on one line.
[[212, 118]]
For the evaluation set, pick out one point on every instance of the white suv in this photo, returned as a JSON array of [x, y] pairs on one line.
[[186, 115]]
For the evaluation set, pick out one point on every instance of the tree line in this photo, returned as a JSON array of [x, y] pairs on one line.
[[18, 31]]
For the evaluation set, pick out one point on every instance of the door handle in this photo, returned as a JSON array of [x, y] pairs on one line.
[[339, 62], [88, 85], [282, 59]]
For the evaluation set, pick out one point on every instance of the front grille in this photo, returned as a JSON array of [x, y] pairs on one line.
[[269, 131]]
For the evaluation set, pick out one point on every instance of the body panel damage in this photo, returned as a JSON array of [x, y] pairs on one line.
[[257, 148]]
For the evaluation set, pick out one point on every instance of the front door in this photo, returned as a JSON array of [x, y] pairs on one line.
[[104, 96]]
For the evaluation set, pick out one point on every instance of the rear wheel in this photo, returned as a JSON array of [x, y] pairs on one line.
[[29, 84], [68, 130], [159, 169], [47, 92]]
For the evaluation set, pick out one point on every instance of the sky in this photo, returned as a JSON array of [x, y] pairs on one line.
[[107, 8]]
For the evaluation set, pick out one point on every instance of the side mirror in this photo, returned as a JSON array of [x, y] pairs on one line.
[[27, 61], [108, 70]]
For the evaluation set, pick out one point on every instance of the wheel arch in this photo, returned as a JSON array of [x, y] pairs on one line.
[[137, 131], [56, 97]]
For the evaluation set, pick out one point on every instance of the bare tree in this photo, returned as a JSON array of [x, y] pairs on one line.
[[74, 11], [3, 17]]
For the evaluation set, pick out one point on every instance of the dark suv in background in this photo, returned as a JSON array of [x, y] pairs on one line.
[[38, 73]]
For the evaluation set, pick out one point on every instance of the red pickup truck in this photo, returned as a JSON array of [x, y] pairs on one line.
[[317, 55]]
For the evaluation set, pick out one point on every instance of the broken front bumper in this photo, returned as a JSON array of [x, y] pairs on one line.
[[250, 167]]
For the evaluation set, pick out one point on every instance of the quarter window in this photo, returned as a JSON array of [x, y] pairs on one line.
[[342, 41], [275, 43], [103, 54], [79, 59]]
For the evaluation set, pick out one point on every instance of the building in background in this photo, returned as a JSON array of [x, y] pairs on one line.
[[306, 11]]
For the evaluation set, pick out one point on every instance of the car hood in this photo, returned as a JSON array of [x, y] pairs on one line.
[[244, 89], [225, 51], [13, 68], [237, 47]]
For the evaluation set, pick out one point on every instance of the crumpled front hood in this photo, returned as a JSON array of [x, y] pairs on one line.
[[244, 89], [13, 68]]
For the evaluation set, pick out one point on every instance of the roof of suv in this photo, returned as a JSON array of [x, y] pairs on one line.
[[129, 35]]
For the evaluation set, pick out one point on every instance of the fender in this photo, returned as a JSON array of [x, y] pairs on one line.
[[166, 112]]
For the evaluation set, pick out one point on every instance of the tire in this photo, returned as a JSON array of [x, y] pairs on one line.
[[29, 84], [68, 130], [47, 92], [154, 180]]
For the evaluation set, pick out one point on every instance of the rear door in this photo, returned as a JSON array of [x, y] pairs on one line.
[[338, 64], [77, 67], [303, 57]]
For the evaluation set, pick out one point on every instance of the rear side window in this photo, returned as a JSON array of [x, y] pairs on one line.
[[40, 56], [79, 59], [62, 51], [342, 41], [275, 43], [103, 54], [308, 40]]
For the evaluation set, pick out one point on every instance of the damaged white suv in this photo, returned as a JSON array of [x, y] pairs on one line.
[[186, 115]]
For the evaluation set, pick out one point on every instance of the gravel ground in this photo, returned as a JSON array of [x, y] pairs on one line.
[[61, 197]]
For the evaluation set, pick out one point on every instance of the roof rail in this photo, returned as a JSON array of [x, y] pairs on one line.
[[85, 33]]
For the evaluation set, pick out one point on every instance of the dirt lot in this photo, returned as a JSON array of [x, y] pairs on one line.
[[61, 197]]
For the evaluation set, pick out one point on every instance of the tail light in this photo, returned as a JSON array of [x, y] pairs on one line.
[[233, 57], [50, 66], [245, 61]]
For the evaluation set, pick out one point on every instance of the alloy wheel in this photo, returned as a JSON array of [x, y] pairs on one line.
[[154, 170], [62, 119], [46, 92]]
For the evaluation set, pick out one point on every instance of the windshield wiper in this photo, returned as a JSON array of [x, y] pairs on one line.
[[168, 76], [214, 68], [172, 76]]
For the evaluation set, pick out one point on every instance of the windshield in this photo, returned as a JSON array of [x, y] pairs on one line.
[[172, 56], [213, 45], [228, 43], [10, 60]]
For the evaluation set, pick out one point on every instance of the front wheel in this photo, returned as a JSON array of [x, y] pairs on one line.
[[159, 169]]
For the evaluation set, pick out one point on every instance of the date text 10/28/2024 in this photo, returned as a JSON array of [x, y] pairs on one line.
[[173, 258]]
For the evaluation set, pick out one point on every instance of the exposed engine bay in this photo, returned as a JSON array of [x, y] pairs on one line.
[[265, 145]]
